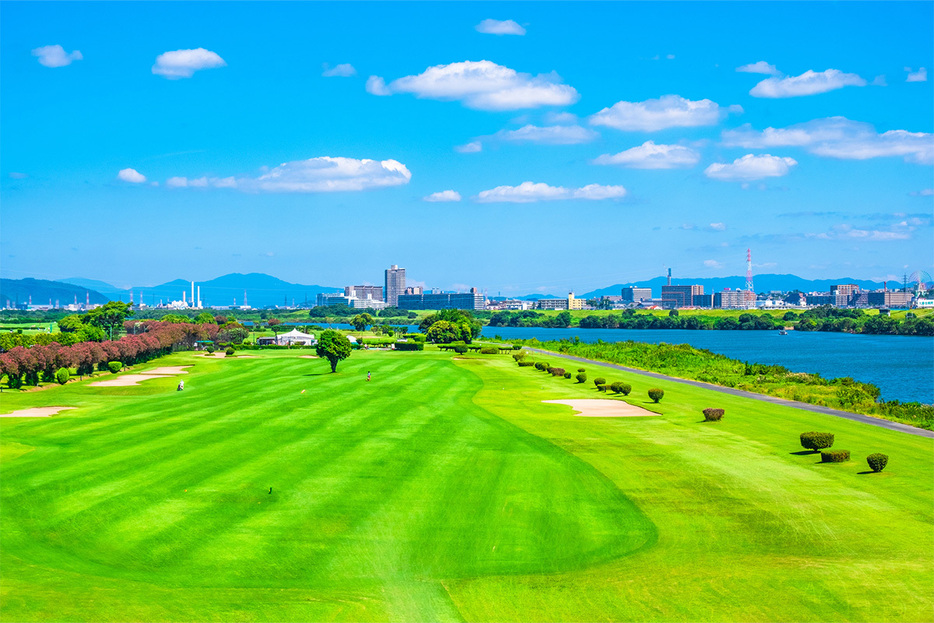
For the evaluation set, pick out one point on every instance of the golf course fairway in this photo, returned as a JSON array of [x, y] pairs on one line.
[[445, 489]]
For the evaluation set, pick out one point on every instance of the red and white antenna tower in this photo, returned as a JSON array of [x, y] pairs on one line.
[[749, 271]]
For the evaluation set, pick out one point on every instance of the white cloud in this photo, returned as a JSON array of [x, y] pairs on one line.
[[315, 175], [496, 27], [717, 226], [131, 175], [530, 192], [443, 196], [668, 111], [760, 67], [652, 156], [808, 83], [549, 135], [482, 85], [55, 56], [344, 70], [470, 148], [848, 232], [838, 137], [750, 167], [184, 63], [328, 174], [712, 264], [925, 192], [560, 118], [917, 76]]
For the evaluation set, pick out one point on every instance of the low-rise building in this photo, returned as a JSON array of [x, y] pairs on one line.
[[633, 294], [472, 300]]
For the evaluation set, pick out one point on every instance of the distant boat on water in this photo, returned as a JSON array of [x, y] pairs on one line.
[[783, 332]]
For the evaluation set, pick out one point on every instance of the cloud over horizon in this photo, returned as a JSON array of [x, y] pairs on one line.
[[443, 196], [548, 135], [497, 27], [531, 192], [343, 70], [131, 175], [668, 111], [750, 168], [55, 56], [184, 63], [808, 83], [652, 156], [917, 76], [838, 137], [760, 67], [482, 85]]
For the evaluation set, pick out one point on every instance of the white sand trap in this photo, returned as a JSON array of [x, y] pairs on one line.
[[36, 412], [593, 407], [129, 379], [167, 370], [309, 356], [213, 355]]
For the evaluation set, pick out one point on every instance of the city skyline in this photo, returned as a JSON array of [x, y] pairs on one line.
[[519, 148]]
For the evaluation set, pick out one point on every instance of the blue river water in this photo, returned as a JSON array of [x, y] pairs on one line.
[[901, 367]]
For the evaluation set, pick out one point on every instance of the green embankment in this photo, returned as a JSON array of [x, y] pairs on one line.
[[444, 489]]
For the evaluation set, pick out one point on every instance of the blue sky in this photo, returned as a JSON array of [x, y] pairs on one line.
[[587, 144]]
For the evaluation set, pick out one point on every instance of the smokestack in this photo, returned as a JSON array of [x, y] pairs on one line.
[[199, 296], [669, 276], [184, 300], [192, 293]]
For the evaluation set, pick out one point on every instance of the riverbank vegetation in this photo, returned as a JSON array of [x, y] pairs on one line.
[[687, 362]]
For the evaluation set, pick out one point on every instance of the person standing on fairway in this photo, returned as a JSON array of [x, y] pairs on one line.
[[368, 375]]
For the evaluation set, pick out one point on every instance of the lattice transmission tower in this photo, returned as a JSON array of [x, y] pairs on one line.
[[749, 286]]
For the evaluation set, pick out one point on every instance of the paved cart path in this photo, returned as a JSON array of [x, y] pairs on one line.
[[902, 428]]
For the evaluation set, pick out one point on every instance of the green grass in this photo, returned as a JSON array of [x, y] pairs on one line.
[[444, 489]]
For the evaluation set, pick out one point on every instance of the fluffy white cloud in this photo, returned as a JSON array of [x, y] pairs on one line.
[[668, 111], [184, 63], [808, 83], [443, 196], [496, 27], [838, 137], [712, 264], [315, 175], [917, 76], [55, 56], [760, 67], [530, 192], [848, 232], [344, 70], [482, 85], [750, 167], [717, 226], [652, 156], [470, 148], [131, 175], [549, 135]]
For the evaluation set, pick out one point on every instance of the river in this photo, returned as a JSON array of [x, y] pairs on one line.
[[902, 367]]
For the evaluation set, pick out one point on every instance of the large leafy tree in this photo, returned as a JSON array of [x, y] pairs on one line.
[[109, 316], [454, 316], [445, 332], [361, 321], [333, 346]]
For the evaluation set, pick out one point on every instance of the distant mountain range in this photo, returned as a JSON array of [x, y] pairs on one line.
[[261, 290], [15, 292], [762, 283], [266, 291]]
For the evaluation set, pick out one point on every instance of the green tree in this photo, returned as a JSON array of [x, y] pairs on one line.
[[109, 316], [361, 321], [204, 318], [333, 346], [70, 324], [446, 331]]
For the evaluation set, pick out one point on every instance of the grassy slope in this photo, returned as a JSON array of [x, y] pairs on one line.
[[445, 489]]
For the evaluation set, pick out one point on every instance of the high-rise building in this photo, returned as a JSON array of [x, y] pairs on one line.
[[395, 285], [680, 296], [632, 294], [473, 300], [364, 292]]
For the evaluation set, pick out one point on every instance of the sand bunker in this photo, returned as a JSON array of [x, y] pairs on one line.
[[129, 379], [36, 412], [216, 355], [167, 370], [591, 407], [309, 356]]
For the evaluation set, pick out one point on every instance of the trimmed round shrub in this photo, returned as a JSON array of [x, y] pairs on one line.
[[713, 415], [460, 349], [557, 371], [815, 441], [114, 366], [877, 461], [210, 349], [656, 394], [526, 364], [567, 375], [581, 370], [62, 375], [599, 381], [541, 365], [489, 350], [518, 356], [581, 377], [229, 352], [835, 456], [546, 366], [619, 387], [517, 346]]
